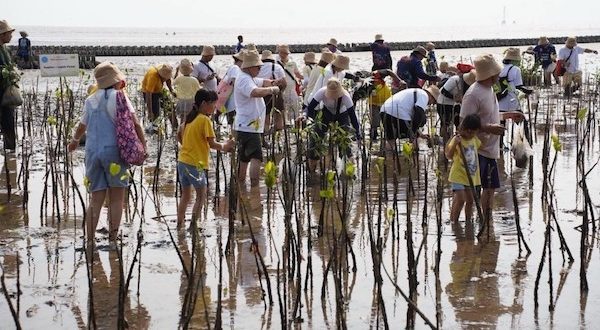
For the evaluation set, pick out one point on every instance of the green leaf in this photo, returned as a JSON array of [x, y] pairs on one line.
[[582, 113], [556, 143], [52, 121], [350, 169], [407, 149], [114, 169]]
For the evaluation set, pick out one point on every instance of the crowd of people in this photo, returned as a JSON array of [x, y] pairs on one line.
[[261, 92]]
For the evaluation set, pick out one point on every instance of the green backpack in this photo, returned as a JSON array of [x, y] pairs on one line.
[[501, 87]]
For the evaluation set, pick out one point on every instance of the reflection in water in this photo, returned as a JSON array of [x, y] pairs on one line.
[[105, 289], [474, 288]]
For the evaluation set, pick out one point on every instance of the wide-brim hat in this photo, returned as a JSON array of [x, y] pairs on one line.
[[5, 27], [543, 41], [283, 49], [239, 56], [24, 34], [486, 67], [165, 71], [107, 75], [208, 50], [310, 58], [251, 47], [429, 46], [327, 56], [469, 77], [267, 55], [571, 42], [333, 42], [512, 54], [444, 66], [434, 91], [334, 89], [251, 59], [420, 50], [186, 67], [342, 62], [379, 36]]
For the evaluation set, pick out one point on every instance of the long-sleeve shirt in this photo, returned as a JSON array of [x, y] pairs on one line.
[[381, 56], [411, 70], [345, 107]]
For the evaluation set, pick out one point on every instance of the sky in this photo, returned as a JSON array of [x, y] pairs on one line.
[[315, 13]]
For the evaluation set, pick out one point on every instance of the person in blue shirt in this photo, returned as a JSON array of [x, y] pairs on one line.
[[240, 44], [24, 47], [410, 69], [431, 66], [381, 54], [545, 55]]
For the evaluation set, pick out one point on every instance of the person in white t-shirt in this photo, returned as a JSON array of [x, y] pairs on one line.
[[332, 45], [274, 71], [229, 78], [310, 61], [511, 75], [448, 103], [403, 114], [205, 73], [337, 69], [568, 57], [250, 115], [337, 106], [317, 73], [292, 77]]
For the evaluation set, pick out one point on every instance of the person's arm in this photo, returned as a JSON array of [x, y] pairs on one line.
[[588, 50], [354, 121], [180, 133], [220, 146], [264, 91], [451, 147], [76, 137], [422, 75], [310, 109], [149, 103]]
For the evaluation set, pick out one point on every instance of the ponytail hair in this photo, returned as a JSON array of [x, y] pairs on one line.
[[202, 95]]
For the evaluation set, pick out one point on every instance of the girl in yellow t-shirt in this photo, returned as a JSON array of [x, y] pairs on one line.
[[462, 194], [197, 136]]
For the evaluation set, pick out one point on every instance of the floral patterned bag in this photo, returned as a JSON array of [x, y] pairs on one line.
[[131, 148]]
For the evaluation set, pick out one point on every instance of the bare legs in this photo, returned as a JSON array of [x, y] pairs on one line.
[[254, 172], [115, 211], [186, 196], [461, 198]]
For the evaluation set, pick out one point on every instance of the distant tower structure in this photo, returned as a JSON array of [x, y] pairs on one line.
[[504, 16]]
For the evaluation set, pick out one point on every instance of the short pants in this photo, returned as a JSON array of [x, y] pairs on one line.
[[488, 170], [394, 128], [98, 169], [249, 146], [190, 175], [458, 186]]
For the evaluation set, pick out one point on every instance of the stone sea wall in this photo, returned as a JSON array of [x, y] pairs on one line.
[[88, 54]]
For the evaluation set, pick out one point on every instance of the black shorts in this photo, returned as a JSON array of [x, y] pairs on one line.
[[394, 128], [155, 103], [249, 146], [488, 172], [269, 99], [449, 114]]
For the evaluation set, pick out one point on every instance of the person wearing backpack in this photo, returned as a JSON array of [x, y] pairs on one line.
[[568, 58], [105, 171], [24, 48], [204, 72], [410, 69], [272, 70], [293, 78], [510, 81], [382, 59], [448, 103]]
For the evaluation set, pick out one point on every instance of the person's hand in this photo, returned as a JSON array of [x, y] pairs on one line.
[[457, 139], [458, 98], [495, 129], [228, 146], [72, 145], [274, 90], [516, 116], [595, 52]]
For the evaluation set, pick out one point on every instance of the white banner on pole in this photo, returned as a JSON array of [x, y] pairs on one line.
[[59, 65]]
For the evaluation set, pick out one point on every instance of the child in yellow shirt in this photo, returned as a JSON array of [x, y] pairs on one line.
[[197, 136], [467, 138]]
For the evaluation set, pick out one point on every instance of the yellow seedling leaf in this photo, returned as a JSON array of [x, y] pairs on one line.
[[350, 170], [407, 149], [556, 143], [86, 182], [114, 169], [582, 113], [390, 213]]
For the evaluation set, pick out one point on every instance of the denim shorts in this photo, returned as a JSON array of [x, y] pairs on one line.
[[98, 169], [190, 175], [459, 187]]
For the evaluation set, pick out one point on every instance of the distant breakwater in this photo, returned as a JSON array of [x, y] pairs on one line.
[[88, 54]]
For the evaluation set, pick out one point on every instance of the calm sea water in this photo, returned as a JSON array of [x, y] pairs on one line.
[[42, 35]]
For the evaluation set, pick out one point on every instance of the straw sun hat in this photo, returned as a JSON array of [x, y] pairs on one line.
[[512, 54], [379, 36], [420, 50], [267, 55], [327, 56], [251, 59], [334, 89], [434, 91], [430, 46], [342, 62], [208, 50], [571, 42], [469, 77], [251, 47], [4, 27], [185, 67], [107, 75], [333, 42], [310, 58], [543, 41], [486, 67], [24, 34], [165, 71], [239, 56], [283, 49]]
